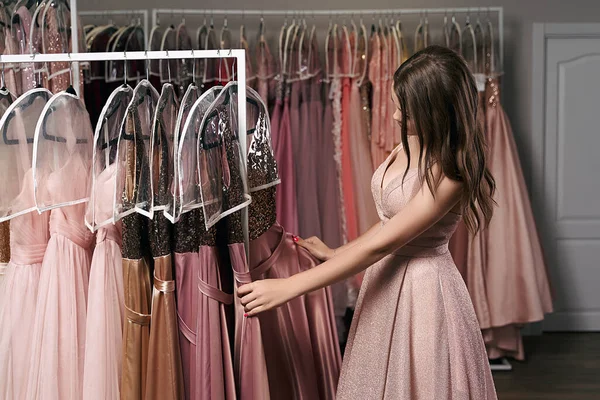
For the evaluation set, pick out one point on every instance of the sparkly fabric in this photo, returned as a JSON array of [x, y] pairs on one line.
[[414, 334], [261, 212], [233, 194], [365, 96], [4, 242]]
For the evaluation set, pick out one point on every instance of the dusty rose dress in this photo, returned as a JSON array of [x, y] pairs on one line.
[[301, 344], [515, 275], [414, 334]]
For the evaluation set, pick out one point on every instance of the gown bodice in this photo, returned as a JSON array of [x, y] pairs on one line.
[[29, 233], [68, 221], [392, 198]]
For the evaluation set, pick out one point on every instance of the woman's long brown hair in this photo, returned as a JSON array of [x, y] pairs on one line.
[[437, 91]]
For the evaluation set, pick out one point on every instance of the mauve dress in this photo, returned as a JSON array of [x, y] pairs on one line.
[[287, 208], [201, 301], [414, 334], [302, 354]]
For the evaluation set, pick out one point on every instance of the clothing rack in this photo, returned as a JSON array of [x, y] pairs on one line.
[[123, 13], [392, 11], [76, 58]]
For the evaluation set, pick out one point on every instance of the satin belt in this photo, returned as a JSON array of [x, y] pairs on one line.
[[261, 269], [109, 233], [212, 293], [77, 233], [137, 318], [421, 251], [28, 255]]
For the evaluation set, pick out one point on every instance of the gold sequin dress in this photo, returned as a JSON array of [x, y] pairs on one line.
[[414, 334]]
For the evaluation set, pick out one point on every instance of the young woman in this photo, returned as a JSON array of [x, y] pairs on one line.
[[415, 334]]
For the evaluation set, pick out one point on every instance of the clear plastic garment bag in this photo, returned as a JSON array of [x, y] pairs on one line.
[[18, 126], [105, 161], [134, 191], [217, 131], [173, 209], [192, 161], [62, 148]]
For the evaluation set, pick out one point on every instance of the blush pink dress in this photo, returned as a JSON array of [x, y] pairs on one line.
[[106, 300], [58, 340], [377, 153], [18, 294], [415, 334]]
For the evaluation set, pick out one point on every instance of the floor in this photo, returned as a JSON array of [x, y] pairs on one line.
[[559, 366]]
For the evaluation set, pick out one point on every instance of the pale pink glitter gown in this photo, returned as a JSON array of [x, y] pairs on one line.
[[414, 334], [58, 340], [106, 301]]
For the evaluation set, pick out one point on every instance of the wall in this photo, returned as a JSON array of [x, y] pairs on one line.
[[519, 16]]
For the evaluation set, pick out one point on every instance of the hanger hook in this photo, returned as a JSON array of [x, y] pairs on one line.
[[70, 70], [168, 64], [193, 66], [147, 65], [125, 68], [2, 83]]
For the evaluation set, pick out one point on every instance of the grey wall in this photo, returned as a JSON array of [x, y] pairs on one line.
[[519, 16]]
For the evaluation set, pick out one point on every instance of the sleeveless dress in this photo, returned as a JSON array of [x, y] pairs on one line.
[[414, 334], [106, 301], [18, 295]]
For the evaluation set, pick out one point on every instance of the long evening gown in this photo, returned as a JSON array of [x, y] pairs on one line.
[[414, 334], [302, 354], [515, 276], [59, 331], [18, 295], [249, 360], [106, 302], [201, 301], [165, 374]]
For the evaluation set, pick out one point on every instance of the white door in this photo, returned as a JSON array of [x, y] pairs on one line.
[[566, 191]]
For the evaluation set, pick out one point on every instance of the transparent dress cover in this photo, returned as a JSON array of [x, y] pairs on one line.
[[62, 153], [262, 167], [173, 208], [105, 162], [188, 196], [162, 141], [17, 127], [220, 159], [134, 186]]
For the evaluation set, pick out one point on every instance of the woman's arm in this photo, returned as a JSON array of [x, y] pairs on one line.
[[322, 252], [420, 214]]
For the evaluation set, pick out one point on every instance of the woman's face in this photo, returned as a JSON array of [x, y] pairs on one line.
[[398, 114]]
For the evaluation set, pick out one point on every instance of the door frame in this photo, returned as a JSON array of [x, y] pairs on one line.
[[541, 33]]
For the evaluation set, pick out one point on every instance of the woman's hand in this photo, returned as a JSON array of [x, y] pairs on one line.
[[265, 295], [316, 247]]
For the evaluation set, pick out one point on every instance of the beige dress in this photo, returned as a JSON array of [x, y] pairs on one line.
[[415, 334]]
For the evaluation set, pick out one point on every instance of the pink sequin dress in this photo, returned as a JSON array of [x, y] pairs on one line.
[[414, 334]]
